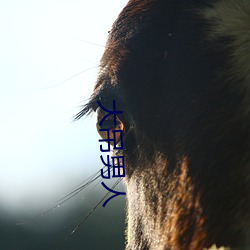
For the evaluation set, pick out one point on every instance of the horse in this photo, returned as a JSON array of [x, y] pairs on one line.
[[180, 72]]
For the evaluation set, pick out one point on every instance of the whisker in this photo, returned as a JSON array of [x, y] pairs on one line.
[[84, 218], [81, 187], [77, 220], [87, 60], [95, 44], [67, 197], [68, 79], [107, 47]]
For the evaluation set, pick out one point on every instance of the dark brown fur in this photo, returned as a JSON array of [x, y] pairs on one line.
[[186, 126]]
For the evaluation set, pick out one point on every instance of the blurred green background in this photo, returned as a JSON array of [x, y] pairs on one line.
[[104, 229]]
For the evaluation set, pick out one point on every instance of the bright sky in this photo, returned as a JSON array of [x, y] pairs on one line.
[[42, 45]]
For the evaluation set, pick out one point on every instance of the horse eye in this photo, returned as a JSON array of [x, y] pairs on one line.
[[109, 125]]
